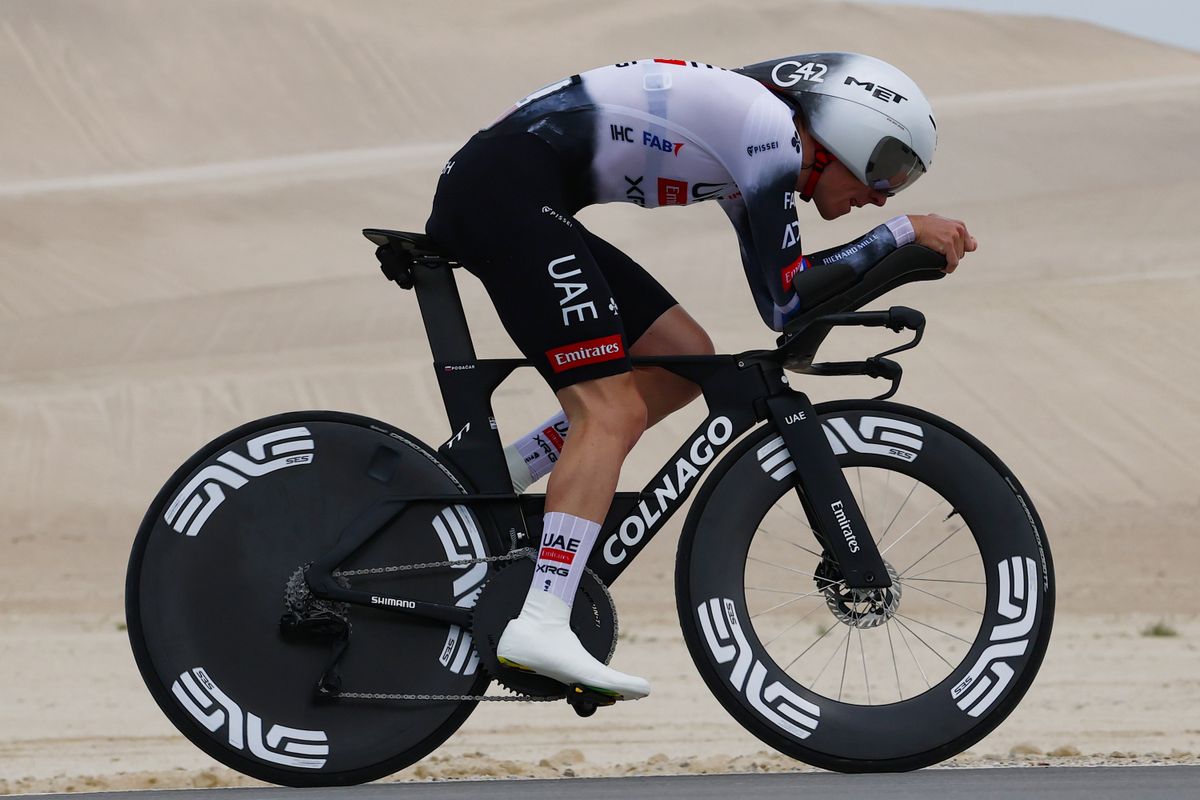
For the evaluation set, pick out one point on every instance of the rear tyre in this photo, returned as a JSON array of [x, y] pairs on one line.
[[205, 594], [886, 680]]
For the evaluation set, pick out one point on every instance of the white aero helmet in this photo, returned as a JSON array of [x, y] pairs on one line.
[[868, 114]]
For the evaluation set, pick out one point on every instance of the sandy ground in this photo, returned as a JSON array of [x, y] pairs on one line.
[[1084, 708], [181, 189]]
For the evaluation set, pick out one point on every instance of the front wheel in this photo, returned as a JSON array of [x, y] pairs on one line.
[[868, 680]]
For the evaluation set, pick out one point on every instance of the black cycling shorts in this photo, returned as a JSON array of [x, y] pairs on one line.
[[571, 302]]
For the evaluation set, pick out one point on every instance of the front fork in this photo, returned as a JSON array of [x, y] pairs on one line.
[[821, 486]]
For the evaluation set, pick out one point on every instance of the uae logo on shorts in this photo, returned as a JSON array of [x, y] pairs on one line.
[[580, 354]]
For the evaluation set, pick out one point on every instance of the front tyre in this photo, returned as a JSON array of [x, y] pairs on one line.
[[857, 681], [216, 559]]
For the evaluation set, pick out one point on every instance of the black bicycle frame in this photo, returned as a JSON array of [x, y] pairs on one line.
[[740, 391]]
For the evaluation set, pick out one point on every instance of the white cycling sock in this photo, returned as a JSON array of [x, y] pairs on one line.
[[566, 544], [534, 454]]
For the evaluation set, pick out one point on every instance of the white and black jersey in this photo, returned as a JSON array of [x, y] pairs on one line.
[[654, 133], [661, 132]]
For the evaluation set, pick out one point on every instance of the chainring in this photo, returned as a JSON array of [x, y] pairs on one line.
[[593, 620]]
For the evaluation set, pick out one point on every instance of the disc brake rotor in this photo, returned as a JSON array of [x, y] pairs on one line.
[[858, 608]]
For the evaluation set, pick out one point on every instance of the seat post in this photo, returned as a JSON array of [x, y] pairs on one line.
[[442, 313], [478, 451]]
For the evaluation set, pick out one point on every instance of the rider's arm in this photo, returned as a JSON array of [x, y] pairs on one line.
[[771, 314], [859, 254], [869, 249], [764, 163]]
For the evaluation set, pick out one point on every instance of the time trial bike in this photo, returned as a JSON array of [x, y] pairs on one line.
[[315, 598]]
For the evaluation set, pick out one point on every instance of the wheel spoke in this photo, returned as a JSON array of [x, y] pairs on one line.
[[803, 522], [787, 602], [777, 591], [945, 600], [789, 569], [863, 650], [910, 530], [794, 516], [933, 628], [945, 580], [935, 547], [845, 661], [789, 541], [904, 639], [810, 647], [805, 616], [947, 564], [862, 497], [887, 482], [922, 641], [896, 667], [896, 516]]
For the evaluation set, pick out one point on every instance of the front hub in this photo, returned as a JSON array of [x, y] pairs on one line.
[[858, 608]]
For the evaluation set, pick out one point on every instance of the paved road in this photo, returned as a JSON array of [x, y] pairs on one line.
[[1050, 783]]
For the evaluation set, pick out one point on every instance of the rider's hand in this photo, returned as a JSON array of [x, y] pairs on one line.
[[947, 236]]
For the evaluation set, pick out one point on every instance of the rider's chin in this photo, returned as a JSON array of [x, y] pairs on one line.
[[830, 211]]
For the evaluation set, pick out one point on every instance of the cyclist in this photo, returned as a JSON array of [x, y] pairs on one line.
[[841, 129]]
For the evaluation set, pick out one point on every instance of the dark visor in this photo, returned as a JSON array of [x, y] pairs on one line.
[[893, 166]]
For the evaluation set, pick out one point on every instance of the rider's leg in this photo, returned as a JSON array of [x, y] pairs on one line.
[[531, 457], [674, 333], [550, 282], [607, 416]]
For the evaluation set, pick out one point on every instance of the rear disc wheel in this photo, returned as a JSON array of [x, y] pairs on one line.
[[214, 569]]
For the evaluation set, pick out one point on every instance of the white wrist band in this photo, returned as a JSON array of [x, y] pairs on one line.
[[902, 230]]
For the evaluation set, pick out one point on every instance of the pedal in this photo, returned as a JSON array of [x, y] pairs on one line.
[[586, 700]]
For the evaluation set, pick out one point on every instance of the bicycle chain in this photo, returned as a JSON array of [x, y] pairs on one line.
[[512, 555], [458, 698]]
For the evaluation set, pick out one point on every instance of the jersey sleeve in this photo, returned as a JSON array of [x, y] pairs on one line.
[[764, 162], [867, 250], [735, 209]]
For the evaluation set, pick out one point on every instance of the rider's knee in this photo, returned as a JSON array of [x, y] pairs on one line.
[[687, 338], [631, 417], [700, 343], [691, 337], [619, 411], [675, 333]]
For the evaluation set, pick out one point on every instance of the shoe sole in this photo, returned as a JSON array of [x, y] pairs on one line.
[[515, 665], [598, 690]]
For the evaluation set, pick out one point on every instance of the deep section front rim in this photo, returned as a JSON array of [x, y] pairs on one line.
[[759, 688]]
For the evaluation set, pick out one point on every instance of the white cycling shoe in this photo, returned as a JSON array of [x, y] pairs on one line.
[[540, 640]]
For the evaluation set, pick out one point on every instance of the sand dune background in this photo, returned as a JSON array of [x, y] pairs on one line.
[[181, 189]]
